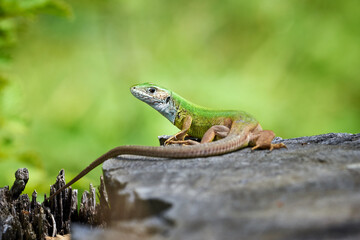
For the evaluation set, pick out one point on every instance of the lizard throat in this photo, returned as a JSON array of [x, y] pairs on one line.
[[168, 110]]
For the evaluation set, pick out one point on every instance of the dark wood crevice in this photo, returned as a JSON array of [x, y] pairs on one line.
[[22, 218]]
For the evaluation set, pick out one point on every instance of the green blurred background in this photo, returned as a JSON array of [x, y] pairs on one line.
[[292, 64]]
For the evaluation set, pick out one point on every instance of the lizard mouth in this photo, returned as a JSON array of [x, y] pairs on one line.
[[143, 96], [134, 91], [138, 93]]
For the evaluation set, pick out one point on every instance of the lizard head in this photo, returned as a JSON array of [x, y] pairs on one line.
[[157, 97]]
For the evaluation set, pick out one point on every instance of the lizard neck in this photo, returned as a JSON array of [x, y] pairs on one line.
[[168, 110], [184, 108]]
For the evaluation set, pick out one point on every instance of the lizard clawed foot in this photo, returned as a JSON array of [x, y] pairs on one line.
[[270, 147], [175, 139], [171, 140], [277, 146], [263, 140]]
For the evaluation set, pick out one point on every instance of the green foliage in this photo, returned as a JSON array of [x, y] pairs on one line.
[[3, 83], [14, 15]]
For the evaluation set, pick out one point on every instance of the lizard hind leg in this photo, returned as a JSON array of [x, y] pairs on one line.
[[220, 131], [263, 139]]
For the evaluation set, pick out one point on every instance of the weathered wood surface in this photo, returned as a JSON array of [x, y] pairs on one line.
[[309, 191], [22, 218]]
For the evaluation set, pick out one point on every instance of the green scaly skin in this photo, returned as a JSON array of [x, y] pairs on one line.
[[204, 118], [235, 129]]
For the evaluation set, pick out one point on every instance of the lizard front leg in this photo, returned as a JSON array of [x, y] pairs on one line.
[[178, 138]]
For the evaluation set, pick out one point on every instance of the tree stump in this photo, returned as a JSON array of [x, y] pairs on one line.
[[21, 218], [309, 191]]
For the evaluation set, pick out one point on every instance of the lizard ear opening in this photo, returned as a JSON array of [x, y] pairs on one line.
[[167, 99]]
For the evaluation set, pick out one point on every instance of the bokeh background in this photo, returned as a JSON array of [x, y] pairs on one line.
[[295, 65]]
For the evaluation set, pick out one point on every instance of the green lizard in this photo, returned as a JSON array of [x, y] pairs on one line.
[[234, 129]]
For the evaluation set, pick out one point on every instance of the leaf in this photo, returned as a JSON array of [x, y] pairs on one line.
[[7, 33], [14, 8], [57, 7]]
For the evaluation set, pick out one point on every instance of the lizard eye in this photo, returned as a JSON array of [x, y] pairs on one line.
[[151, 90]]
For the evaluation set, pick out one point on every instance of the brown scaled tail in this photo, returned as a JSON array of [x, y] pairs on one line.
[[225, 145]]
